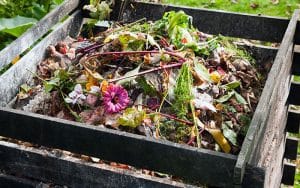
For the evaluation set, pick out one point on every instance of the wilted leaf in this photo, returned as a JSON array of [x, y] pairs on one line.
[[220, 139], [226, 97], [128, 74], [26, 88], [232, 85], [240, 98], [228, 133], [131, 41], [202, 71], [132, 117]]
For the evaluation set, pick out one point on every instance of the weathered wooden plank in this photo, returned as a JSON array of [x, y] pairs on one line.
[[65, 170], [187, 162], [20, 72], [289, 171], [293, 123], [254, 177], [216, 22], [294, 94], [12, 181], [37, 31], [259, 120], [291, 147]]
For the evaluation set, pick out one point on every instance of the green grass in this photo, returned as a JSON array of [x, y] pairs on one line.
[[284, 8]]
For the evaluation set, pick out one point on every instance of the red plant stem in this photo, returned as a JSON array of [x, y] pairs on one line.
[[89, 48], [168, 115], [137, 52], [176, 119], [147, 71]]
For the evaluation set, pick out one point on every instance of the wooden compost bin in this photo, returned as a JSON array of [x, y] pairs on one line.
[[260, 163]]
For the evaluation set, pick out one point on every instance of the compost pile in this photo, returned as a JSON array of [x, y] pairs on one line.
[[161, 79]]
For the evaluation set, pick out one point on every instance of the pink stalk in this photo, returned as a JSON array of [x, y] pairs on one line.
[[137, 52], [176, 119], [169, 116], [147, 71]]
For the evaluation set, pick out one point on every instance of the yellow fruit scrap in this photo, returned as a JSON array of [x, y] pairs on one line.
[[220, 139], [215, 77]]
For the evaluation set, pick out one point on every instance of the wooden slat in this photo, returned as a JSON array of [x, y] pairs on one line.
[[65, 170], [275, 77], [200, 165], [37, 31], [291, 147], [20, 72], [15, 182], [254, 177], [293, 123], [289, 171], [216, 22], [294, 94]]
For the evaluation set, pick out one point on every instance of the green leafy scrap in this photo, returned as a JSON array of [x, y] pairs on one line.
[[182, 91], [229, 133], [202, 71], [132, 117]]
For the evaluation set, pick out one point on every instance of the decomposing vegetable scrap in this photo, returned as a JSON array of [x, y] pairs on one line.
[[163, 79]]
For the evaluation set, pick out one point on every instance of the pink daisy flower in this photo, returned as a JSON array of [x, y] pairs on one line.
[[115, 98]]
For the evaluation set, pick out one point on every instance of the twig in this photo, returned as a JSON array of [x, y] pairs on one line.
[[137, 52], [147, 71]]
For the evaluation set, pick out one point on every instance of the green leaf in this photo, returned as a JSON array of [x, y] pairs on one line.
[[16, 26], [226, 97], [202, 71], [51, 84], [228, 133], [128, 74], [132, 117], [240, 99], [131, 42], [26, 88], [232, 85]]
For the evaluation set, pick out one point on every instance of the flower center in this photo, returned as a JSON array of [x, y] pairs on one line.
[[115, 100]]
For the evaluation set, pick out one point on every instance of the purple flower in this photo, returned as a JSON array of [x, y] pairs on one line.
[[76, 96], [115, 98]]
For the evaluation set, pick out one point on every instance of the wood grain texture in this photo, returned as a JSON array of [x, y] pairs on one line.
[[16, 182], [60, 169], [192, 164], [279, 77], [21, 72], [36, 32]]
